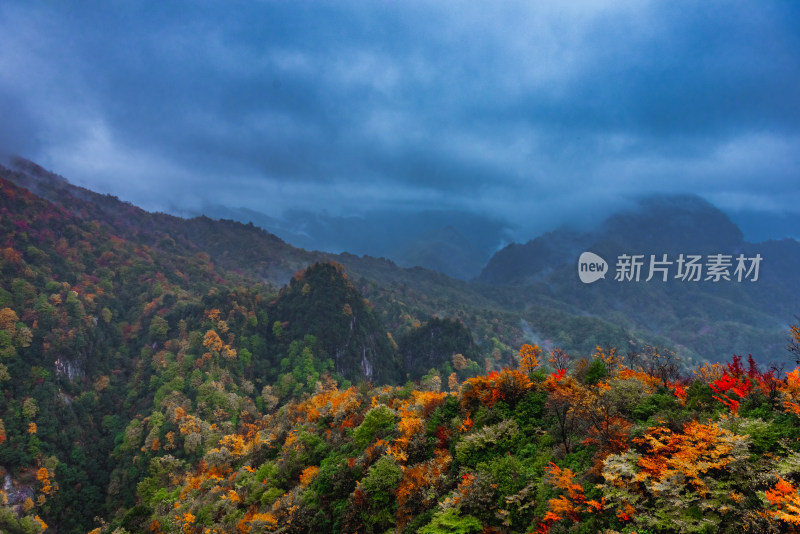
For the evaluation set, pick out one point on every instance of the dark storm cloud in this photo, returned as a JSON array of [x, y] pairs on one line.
[[537, 114]]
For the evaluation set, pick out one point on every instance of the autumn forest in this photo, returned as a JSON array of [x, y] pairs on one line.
[[197, 376]]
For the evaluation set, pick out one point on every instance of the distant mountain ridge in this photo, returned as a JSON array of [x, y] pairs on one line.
[[246, 254], [435, 240], [703, 315], [132, 343], [659, 225], [532, 288]]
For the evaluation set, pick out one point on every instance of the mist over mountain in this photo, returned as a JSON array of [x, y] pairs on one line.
[[657, 224], [463, 244], [399, 267], [702, 320], [703, 316], [765, 225], [137, 345], [456, 243]]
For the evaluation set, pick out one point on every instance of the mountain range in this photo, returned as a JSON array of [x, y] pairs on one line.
[[522, 286], [131, 343], [436, 240]]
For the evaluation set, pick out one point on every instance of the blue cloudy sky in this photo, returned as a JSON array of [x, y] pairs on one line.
[[535, 113]]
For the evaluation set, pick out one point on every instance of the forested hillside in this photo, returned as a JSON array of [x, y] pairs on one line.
[[554, 445], [499, 318], [704, 319], [169, 375], [106, 309]]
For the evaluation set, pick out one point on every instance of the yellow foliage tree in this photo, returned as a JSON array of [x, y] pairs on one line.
[[529, 358], [784, 505], [308, 475], [8, 320], [676, 471], [212, 341], [452, 382]]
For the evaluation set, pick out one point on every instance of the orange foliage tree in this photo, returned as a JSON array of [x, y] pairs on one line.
[[790, 392], [564, 394], [784, 508], [507, 385], [605, 425], [420, 485], [529, 358], [571, 506], [676, 472]]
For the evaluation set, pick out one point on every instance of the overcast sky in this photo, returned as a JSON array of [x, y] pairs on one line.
[[534, 112]]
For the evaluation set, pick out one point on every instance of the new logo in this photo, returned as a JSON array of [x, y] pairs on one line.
[[591, 267]]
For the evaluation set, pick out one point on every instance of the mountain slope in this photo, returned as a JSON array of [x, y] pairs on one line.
[[527, 283], [705, 318], [134, 345], [430, 239], [401, 295]]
